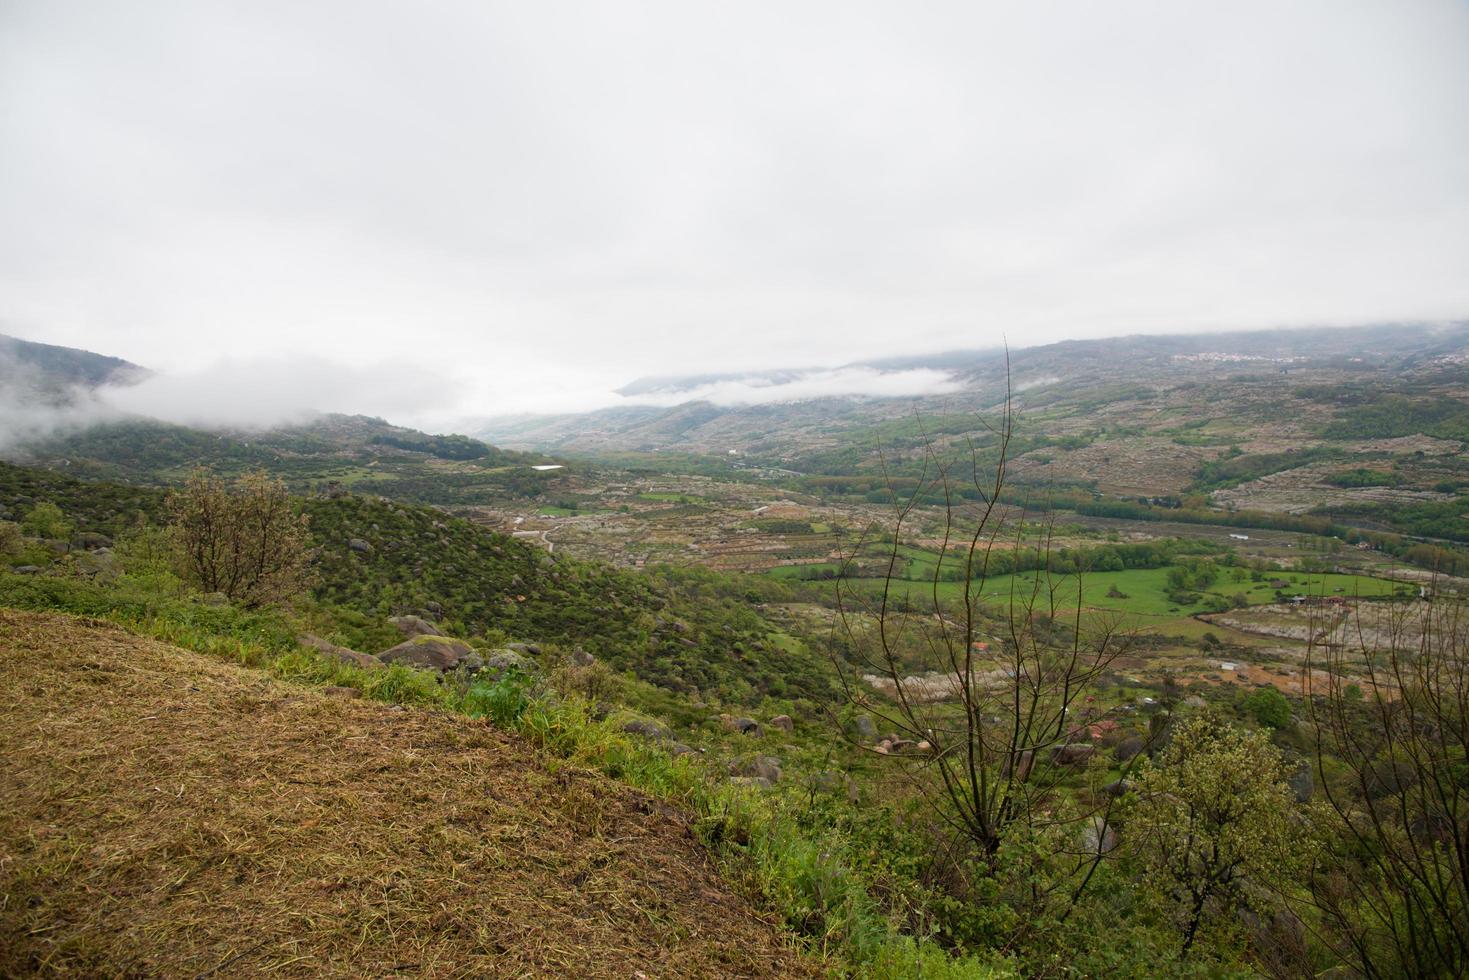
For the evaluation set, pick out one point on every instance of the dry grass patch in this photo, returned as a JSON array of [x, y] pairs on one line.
[[168, 814]]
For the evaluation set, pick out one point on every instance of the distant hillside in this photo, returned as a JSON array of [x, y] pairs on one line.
[[350, 449], [1059, 387], [47, 420], [51, 368]]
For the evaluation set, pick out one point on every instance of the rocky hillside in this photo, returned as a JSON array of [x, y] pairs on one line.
[[169, 814]]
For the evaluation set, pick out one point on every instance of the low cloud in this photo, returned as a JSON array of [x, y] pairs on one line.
[[258, 394], [806, 386], [261, 394], [230, 394]]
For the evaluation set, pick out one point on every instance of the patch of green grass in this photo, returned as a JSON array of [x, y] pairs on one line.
[[1144, 591]]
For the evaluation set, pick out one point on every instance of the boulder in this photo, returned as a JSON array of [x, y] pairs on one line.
[[340, 654], [580, 658], [765, 767], [90, 541], [864, 728], [359, 546], [411, 626], [428, 652], [1098, 836], [533, 649], [1302, 783], [1127, 748], [677, 749], [26, 569], [1075, 754], [754, 782], [647, 729], [833, 782], [98, 564], [1025, 761], [783, 722], [1118, 787], [500, 662]]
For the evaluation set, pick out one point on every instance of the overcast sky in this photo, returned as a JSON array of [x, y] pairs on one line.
[[523, 205]]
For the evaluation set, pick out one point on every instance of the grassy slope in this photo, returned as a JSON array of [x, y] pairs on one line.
[[689, 632], [169, 813]]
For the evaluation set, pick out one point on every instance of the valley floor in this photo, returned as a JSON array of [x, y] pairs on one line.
[[170, 814]]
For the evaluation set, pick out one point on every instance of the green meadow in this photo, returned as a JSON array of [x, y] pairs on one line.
[[1142, 591]]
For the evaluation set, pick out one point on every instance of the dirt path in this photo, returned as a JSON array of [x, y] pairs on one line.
[[167, 814]]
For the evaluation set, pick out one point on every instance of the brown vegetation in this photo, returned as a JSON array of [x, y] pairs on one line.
[[168, 814], [246, 541]]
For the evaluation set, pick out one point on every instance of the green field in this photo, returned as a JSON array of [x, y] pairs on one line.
[[668, 497], [1142, 591]]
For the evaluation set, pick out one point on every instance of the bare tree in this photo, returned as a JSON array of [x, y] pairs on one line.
[[988, 693], [1388, 700], [246, 541]]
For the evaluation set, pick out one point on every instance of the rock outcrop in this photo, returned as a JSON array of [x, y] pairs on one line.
[[341, 654], [439, 653]]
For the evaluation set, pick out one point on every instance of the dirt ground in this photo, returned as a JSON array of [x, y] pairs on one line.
[[167, 814]]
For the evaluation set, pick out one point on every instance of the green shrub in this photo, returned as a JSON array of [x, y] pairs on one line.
[[1268, 707]]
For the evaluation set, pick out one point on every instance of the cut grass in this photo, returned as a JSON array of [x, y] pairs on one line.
[[169, 814]]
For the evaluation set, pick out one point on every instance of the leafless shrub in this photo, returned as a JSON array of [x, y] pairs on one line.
[[246, 541]]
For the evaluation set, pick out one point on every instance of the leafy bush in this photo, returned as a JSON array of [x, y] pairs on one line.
[[1268, 707]]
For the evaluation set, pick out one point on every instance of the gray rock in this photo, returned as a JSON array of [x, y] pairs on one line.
[[580, 658], [534, 649], [754, 782], [864, 728], [1075, 754], [90, 541], [783, 722], [26, 569], [411, 626], [1098, 836], [1127, 749], [1302, 783], [765, 767], [833, 782], [359, 546], [647, 729], [472, 664], [340, 654], [428, 652], [498, 663], [677, 749], [1117, 787], [1025, 762]]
